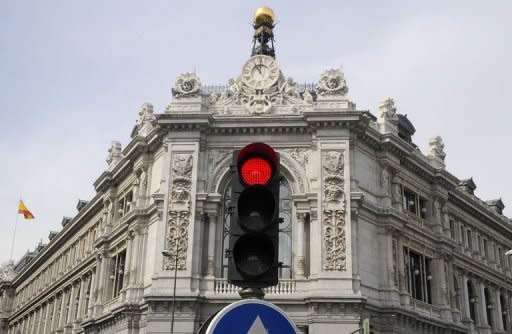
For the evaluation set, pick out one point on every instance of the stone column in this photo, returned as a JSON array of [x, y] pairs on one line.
[[99, 289], [499, 310], [49, 308], [438, 281], [62, 321], [481, 308], [300, 260], [71, 304], [141, 263], [92, 295], [83, 286], [212, 222], [464, 306], [54, 317], [37, 320]]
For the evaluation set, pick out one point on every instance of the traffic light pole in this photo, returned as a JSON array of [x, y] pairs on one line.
[[251, 293]]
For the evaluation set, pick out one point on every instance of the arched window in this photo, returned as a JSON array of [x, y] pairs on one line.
[[285, 229]]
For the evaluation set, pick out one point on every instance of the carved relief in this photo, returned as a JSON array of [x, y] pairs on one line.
[[218, 163], [179, 211], [301, 155], [332, 82], [214, 158], [334, 211], [187, 85], [258, 101], [300, 158]]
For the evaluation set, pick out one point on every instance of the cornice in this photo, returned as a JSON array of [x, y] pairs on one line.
[[479, 210], [57, 285], [91, 209]]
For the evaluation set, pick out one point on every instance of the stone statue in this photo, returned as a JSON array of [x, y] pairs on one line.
[[114, 154], [146, 121]]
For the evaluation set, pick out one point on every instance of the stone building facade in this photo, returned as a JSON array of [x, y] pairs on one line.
[[372, 226]]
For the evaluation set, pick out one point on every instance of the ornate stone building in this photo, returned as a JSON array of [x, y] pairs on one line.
[[372, 227]]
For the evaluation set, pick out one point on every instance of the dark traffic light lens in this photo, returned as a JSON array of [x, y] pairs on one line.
[[256, 171], [253, 254], [256, 207]]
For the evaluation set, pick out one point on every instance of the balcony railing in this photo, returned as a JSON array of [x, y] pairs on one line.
[[284, 287], [424, 308]]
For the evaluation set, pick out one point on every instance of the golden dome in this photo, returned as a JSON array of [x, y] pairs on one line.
[[264, 14]]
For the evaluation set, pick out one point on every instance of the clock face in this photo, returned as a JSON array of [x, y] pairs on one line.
[[260, 72]]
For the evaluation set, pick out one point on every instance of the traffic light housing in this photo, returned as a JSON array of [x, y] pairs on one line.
[[254, 223]]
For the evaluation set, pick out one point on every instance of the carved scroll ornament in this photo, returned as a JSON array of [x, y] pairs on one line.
[[334, 211], [179, 211]]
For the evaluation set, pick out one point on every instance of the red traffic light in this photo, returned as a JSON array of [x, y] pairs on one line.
[[256, 171], [257, 164]]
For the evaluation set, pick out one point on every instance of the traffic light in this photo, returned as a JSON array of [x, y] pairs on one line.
[[254, 223]]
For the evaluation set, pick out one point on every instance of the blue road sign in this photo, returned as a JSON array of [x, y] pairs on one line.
[[251, 316]]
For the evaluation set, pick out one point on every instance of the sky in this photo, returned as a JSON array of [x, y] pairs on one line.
[[73, 75]]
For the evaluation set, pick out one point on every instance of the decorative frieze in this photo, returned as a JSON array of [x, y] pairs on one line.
[[334, 211]]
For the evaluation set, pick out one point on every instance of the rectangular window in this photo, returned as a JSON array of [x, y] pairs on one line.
[[117, 275], [479, 243], [409, 201], [423, 207], [462, 235], [486, 248], [452, 229], [124, 205], [470, 239], [414, 204], [419, 276]]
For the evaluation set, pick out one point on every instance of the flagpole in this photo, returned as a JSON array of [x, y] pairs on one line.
[[14, 234]]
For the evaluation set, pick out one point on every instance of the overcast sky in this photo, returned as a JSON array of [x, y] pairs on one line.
[[73, 75]]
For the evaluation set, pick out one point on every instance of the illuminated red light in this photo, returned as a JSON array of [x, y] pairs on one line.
[[255, 171]]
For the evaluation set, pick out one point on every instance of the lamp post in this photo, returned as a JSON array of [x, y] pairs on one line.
[[507, 253], [167, 253]]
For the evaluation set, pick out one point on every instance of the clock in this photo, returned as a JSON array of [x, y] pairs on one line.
[[260, 72]]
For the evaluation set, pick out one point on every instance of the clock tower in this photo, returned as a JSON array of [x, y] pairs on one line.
[[263, 40]]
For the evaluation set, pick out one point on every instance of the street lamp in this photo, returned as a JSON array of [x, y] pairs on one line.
[[167, 253], [507, 253]]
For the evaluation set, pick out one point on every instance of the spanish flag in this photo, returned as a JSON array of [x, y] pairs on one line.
[[24, 211]]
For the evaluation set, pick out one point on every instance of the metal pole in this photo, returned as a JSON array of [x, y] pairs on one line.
[[174, 291]]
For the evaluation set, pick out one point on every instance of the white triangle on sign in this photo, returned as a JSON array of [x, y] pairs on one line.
[[257, 327]]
